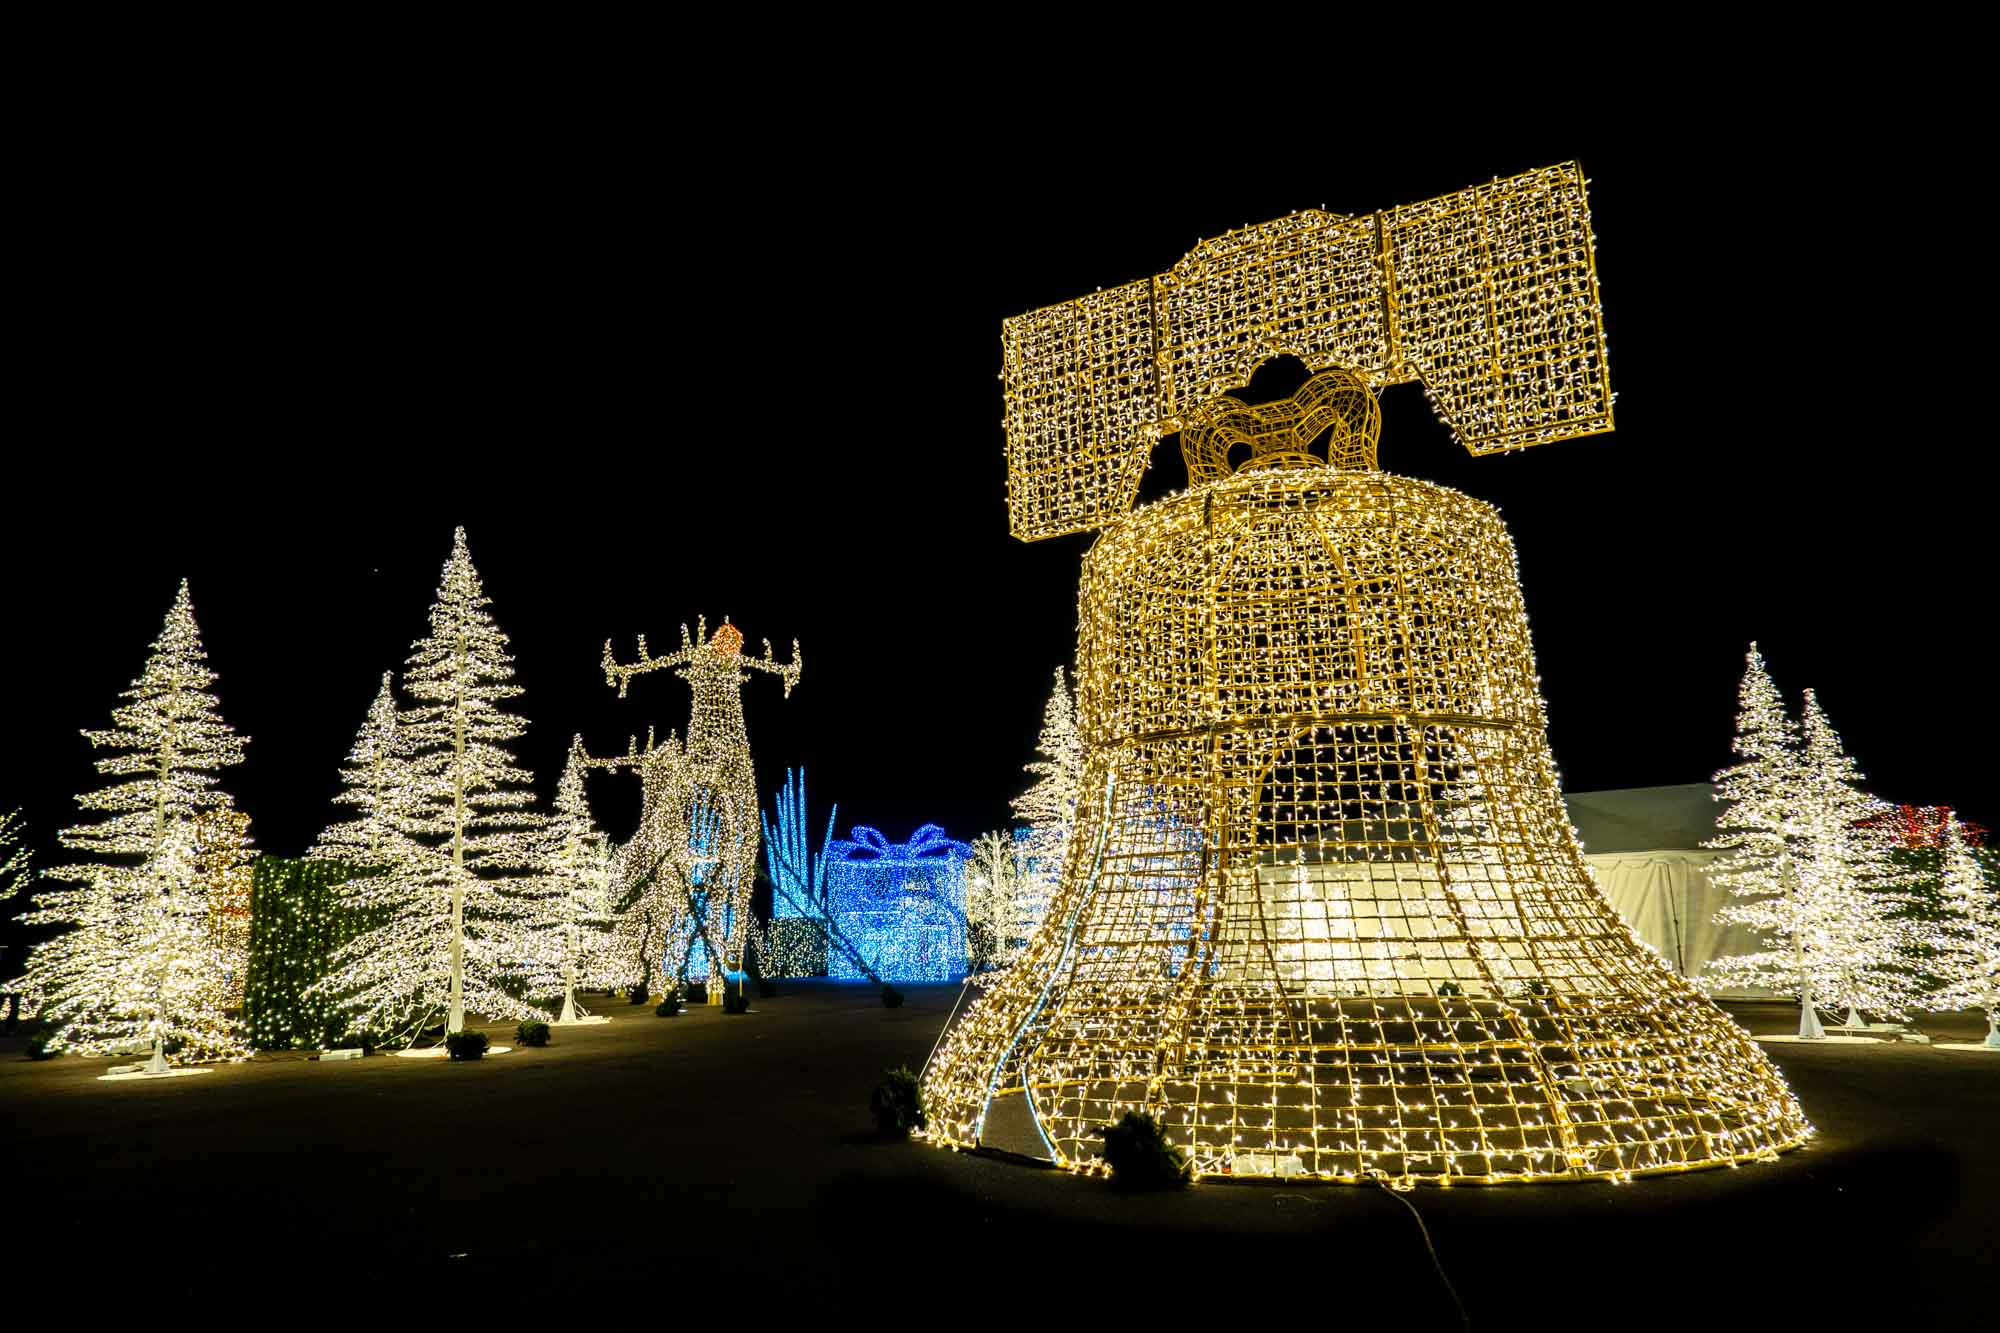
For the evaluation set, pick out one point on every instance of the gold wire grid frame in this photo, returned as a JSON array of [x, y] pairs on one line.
[[1323, 914], [1487, 295]]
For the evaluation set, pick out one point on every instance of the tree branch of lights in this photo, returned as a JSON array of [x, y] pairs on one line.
[[141, 960], [1323, 913], [459, 859], [716, 759]]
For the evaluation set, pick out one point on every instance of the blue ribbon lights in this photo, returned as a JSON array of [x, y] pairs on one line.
[[902, 905]]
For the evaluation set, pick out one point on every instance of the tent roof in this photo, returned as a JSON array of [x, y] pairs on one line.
[[1644, 819]]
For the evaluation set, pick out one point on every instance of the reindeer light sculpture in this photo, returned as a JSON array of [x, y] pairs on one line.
[[709, 812]]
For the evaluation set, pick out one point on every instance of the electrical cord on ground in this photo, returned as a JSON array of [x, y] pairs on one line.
[[1381, 1178]]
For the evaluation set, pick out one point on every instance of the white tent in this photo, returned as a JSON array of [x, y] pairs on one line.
[[1644, 846]]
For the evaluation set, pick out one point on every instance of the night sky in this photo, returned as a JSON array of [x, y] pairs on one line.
[[286, 366]]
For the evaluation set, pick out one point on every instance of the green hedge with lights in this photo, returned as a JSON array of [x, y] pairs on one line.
[[296, 924]]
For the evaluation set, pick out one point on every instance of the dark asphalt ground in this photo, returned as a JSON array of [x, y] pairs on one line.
[[649, 1168]]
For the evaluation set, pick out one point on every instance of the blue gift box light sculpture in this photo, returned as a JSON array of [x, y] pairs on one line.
[[902, 905]]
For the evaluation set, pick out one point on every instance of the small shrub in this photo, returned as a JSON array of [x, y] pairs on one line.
[[534, 1032], [766, 989], [897, 1103], [466, 1045], [1140, 1156], [669, 1007], [734, 1001], [43, 1047], [697, 992], [641, 994], [891, 997]]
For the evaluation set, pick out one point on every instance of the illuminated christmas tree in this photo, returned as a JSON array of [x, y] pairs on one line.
[[1967, 941], [995, 883], [130, 968], [448, 805], [1845, 869], [562, 936], [1761, 835], [1048, 808], [15, 877]]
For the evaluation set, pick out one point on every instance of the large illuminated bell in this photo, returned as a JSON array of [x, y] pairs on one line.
[[1322, 912]]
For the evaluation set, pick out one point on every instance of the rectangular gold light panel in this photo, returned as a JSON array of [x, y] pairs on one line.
[[1488, 296]]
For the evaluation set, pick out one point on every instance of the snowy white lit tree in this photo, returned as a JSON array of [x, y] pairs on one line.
[[995, 882], [1049, 806], [1967, 941], [444, 911], [129, 968], [1760, 836], [563, 934], [15, 877], [1845, 869]]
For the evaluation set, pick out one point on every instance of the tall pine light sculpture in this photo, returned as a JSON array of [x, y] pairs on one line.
[[141, 961], [1048, 808], [1851, 873], [1761, 838], [1322, 913], [572, 918], [445, 827], [717, 757]]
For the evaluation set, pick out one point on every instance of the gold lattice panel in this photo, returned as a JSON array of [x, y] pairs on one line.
[[1488, 296], [1323, 912]]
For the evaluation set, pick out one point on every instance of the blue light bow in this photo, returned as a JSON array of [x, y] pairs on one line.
[[928, 843]]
